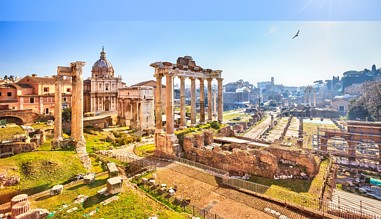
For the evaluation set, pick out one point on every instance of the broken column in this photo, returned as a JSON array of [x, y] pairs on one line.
[[57, 112]]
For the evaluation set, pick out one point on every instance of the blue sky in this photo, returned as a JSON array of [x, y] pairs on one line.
[[252, 42]]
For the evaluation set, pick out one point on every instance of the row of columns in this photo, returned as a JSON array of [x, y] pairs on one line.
[[169, 101], [310, 96], [75, 71], [95, 101]]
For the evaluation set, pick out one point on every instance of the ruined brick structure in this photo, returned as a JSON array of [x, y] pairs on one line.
[[240, 159]]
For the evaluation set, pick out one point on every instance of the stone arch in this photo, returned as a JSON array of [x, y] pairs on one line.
[[13, 119]]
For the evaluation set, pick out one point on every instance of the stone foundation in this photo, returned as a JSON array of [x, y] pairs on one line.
[[239, 159], [167, 144]]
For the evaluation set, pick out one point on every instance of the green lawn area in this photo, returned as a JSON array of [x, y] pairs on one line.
[[96, 140], [294, 190], [7, 132], [130, 204], [145, 150], [39, 170], [230, 115], [42, 126]]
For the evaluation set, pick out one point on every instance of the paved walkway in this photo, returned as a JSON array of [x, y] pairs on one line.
[[255, 132]]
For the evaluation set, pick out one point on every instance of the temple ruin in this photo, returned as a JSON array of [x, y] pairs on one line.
[[75, 72], [184, 68], [310, 96]]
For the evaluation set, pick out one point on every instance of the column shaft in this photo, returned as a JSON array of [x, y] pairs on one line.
[[202, 101], [220, 101], [193, 102], [210, 99], [58, 109], [183, 122], [79, 103], [74, 107], [159, 120], [169, 108]]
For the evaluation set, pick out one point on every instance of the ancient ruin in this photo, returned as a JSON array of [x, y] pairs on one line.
[[310, 96], [361, 140], [184, 68], [75, 72], [135, 108], [240, 157]]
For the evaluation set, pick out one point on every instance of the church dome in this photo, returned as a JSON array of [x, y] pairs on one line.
[[102, 68]]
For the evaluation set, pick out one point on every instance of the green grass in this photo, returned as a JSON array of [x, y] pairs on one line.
[[230, 116], [295, 185], [42, 126], [129, 205], [39, 171], [96, 140], [7, 132], [145, 150]]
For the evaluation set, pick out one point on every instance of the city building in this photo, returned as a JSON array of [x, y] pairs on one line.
[[35, 93], [101, 89]]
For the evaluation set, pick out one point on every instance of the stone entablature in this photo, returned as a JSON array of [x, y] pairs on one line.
[[135, 107]]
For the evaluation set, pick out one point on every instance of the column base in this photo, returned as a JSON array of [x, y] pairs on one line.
[[56, 143], [182, 127], [158, 131], [193, 125], [202, 123]]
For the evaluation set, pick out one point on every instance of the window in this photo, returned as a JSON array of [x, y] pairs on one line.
[[68, 90], [47, 111], [46, 89], [106, 86], [100, 85], [9, 94], [64, 99], [341, 108], [31, 100], [0, 94]]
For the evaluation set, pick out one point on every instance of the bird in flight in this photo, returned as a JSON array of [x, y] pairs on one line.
[[297, 34]]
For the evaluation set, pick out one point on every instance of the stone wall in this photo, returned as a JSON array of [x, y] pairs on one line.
[[239, 159]]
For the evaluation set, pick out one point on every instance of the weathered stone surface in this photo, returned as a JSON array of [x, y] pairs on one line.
[[238, 159], [208, 137], [199, 140], [299, 157]]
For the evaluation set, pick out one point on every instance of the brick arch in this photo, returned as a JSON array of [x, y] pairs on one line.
[[21, 116]]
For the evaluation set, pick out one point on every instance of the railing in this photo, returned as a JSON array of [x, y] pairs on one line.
[[289, 198]]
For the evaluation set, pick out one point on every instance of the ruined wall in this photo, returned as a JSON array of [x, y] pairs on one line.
[[239, 159]]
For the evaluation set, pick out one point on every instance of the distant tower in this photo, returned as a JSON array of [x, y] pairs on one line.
[[272, 80]]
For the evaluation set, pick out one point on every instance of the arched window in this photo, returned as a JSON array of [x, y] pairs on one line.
[[106, 86]]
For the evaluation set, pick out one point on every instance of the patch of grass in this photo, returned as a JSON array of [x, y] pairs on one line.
[[42, 126], [7, 132], [145, 150], [96, 140], [39, 171], [233, 115], [295, 185], [129, 205]]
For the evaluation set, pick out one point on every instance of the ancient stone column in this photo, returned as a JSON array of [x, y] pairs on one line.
[[58, 108], [159, 120], [169, 108], [314, 98], [193, 101], [309, 98], [74, 106], [210, 114], [202, 101], [220, 101], [79, 102], [183, 121]]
